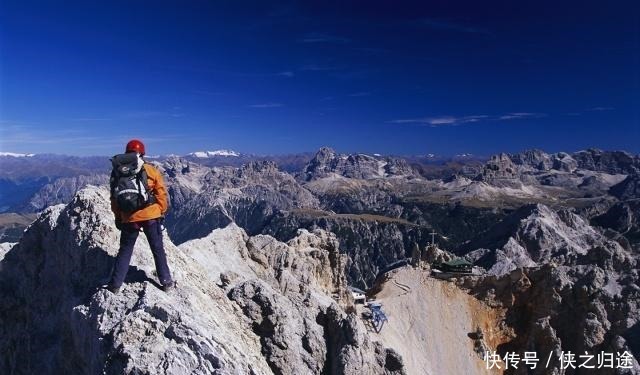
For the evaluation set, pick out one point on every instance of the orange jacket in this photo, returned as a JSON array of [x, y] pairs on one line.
[[152, 211]]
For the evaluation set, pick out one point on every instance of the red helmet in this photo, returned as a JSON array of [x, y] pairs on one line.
[[135, 145]]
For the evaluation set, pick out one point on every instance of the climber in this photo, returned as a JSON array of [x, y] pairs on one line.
[[139, 202]]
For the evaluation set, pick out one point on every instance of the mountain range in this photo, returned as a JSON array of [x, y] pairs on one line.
[[554, 237]]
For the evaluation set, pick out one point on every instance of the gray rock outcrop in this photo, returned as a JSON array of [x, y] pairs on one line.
[[535, 235], [271, 311], [555, 309], [359, 166], [62, 190], [615, 162], [628, 189], [248, 196]]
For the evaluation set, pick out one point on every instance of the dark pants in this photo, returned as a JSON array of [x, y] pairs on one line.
[[128, 235]]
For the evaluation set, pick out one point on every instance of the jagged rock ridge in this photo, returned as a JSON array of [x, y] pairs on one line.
[[248, 196], [327, 162], [55, 319]]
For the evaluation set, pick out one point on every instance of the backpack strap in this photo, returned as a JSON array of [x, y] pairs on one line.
[[142, 180]]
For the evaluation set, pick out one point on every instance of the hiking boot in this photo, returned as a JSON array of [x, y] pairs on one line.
[[168, 286]]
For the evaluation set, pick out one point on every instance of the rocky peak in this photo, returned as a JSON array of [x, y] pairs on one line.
[[536, 234], [324, 155], [564, 162], [249, 196], [398, 167], [254, 168], [534, 158], [614, 162], [530, 163], [267, 309], [175, 165], [538, 160], [585, 308], [322, 163], [359, 166], [499, 166], [255, 172], [62, 190]]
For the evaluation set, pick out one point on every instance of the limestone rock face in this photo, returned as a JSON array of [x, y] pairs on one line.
[[243, 305], [608, 161], [592, 308], [564, 162], [284, 291], [613, 162], [360, 166], [4, 248], [62, 190], [322, 163], [565, 285], [537, 159], [370, 245], [627, 189], [249, 196], [623, 217], [499, 167], [590, 173], [536, 234], [433, 254]]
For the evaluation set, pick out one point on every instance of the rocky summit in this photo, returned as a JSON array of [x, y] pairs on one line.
[[243, 305], [327, 162]]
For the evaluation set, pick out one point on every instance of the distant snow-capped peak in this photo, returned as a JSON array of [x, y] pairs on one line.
[[16, 155], [208, 154]]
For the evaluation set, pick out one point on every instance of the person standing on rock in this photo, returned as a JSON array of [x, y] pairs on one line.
[[139, 202]]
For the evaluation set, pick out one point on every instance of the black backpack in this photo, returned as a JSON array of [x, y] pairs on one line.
[[128, 188]]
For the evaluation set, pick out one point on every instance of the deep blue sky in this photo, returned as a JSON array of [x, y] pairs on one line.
[[278, 77]]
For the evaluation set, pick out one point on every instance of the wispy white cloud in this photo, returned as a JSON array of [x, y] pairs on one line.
[[266, 105], [323, 38], [440, 120], [459, 120], [520, 115]]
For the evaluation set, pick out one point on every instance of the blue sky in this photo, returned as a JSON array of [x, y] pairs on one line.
[[397, 77]]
